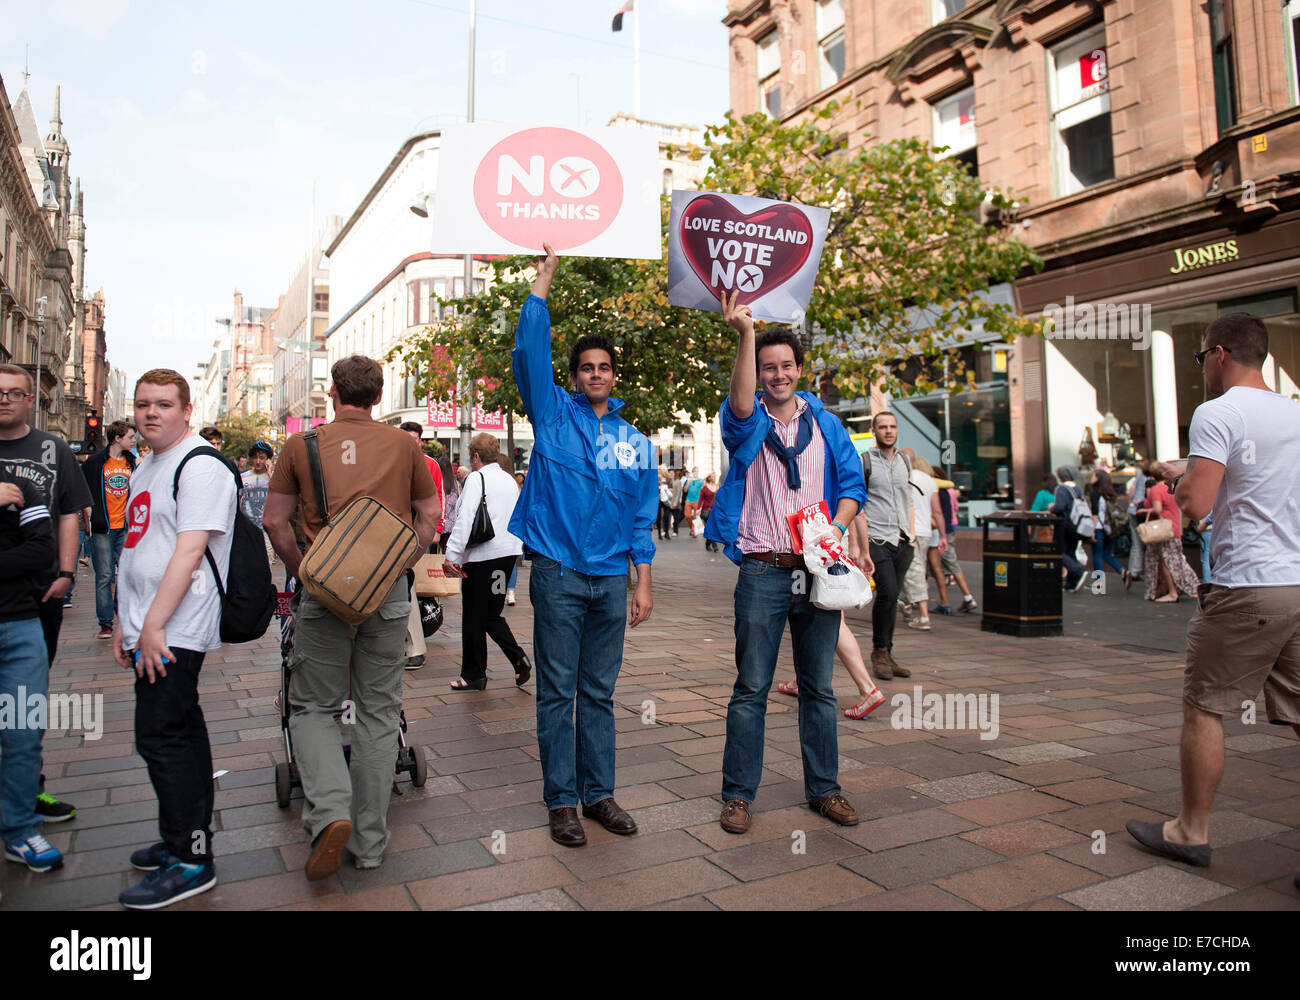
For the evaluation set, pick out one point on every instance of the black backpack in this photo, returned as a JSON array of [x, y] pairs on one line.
[[248, 600]]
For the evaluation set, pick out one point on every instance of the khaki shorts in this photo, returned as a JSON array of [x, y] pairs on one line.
[[1242, 639]]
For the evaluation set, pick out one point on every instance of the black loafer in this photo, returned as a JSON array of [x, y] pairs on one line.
[[565, 828], [1152, 837], [523, 671], [611, 816]]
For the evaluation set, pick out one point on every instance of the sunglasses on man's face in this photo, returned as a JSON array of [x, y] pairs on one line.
[[1200, 356]]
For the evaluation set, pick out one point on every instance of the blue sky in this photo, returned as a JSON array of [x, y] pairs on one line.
[[198, 131]]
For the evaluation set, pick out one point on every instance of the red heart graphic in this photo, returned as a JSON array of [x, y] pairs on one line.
[[787, 256]]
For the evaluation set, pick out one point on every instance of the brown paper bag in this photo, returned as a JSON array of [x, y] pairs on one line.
[[432, 579]]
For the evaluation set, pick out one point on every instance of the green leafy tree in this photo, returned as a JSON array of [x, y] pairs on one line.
[[904, 269], [240, 430]]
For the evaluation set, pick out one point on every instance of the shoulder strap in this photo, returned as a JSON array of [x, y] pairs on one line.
[[317, 475], [207, 449], [866, 468]]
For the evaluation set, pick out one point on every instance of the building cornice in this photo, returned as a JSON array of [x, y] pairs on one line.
[[378, 186]]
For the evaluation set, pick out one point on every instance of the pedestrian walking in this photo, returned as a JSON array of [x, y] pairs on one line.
[[927, 520], [487, 565], [708, 494], [1136, 498], [943, 560], [1167, 570], [1109, 518], [888, 510], [108, 477], [416, 646], [1244, 463], [664, 522], [587, 507], [691, 498], [788, 452], [27, 550], [332, 660], [255, 483], [1076, 525], [168, 622], [677, 501], [1046, 494], [48, 464]]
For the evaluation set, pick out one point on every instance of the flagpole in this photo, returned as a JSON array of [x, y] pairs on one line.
[[636, 62]]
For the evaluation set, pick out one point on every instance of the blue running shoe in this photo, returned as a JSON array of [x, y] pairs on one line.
[[35, 852], [149, 859], [171, 883], [942, 609]]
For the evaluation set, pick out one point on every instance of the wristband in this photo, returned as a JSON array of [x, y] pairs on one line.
[[67, 575], [843, 530]]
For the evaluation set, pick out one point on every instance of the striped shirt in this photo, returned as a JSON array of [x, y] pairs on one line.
[[768, 497]]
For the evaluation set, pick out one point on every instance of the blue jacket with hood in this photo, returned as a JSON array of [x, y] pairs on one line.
[[592, 490], [744, 438]]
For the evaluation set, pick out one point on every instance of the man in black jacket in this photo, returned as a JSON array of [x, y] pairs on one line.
[[108, 474], [27, 549]]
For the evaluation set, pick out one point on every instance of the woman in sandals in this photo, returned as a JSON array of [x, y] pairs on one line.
[[1173, 573], [487, 567]]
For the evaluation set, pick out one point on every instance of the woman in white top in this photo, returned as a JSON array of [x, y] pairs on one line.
[[487, 567]]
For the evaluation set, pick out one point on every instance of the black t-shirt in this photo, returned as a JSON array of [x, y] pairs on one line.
[[48, 465]]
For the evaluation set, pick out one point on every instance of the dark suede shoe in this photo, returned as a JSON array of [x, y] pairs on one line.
[[880, 664], [566, 829], [893, 665], [1152, 837], [735, 816], [611, 816]]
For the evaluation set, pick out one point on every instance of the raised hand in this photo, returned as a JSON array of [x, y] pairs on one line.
[[738, 317], [546, 267]]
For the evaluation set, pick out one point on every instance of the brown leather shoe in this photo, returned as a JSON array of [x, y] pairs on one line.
[[565, 827], [880, 664], [893, 665], [611, 816], [326, 848], [835, 807], [735, 816]]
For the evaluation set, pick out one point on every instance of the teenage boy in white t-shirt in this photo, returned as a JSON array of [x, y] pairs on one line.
[[1245, 466], [169, 616]]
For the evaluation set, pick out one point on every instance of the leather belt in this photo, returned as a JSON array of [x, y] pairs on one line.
[[781, 560]]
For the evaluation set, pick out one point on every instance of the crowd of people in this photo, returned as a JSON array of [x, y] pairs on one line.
[[153, 516]]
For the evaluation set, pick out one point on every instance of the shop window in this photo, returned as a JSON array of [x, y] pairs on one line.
[[769, 73], [830, 41], [941, 10], [1225, 96], [1080, 101], [1291, 27], [954, 127]]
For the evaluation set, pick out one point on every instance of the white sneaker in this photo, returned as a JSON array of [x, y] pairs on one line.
[[920, 624], [510, 598], [907, 611]]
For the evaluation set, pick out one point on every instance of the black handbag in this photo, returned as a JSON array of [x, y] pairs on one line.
[[482, 531]]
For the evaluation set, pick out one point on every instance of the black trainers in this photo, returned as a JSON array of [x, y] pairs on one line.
[[53, 810], [149, 859], [170, 884]]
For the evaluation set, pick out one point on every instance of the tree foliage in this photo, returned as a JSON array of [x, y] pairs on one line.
[[906, 263], [240, 430]]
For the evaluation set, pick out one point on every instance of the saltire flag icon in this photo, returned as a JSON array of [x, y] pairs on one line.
[[627, 7]]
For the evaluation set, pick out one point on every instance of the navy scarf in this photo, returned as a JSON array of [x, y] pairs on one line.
[[790, 455]]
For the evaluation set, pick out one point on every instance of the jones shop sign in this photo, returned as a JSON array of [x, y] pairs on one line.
[[1191, 258]]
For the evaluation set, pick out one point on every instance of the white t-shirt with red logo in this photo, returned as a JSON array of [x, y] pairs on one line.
[[205, 502]]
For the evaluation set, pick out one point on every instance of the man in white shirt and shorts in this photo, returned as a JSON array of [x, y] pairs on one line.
[[1244, 464]]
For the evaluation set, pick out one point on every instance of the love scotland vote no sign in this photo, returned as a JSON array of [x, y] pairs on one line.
[[766, 250]]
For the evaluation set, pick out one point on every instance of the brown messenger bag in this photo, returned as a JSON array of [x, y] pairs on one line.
[[356, 559]]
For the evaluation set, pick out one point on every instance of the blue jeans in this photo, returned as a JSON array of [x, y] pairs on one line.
[[578, 625], [766, 598], [23, 664], [1070, 542], [514, 575], [1205, 554], [1101, 552], [106, 551]]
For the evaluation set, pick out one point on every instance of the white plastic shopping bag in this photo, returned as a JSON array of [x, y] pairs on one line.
[[838, 583]]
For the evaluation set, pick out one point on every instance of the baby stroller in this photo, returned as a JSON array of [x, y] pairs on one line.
[[410, 757]]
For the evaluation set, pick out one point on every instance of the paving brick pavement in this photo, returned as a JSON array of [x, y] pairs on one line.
[[1087, 739]]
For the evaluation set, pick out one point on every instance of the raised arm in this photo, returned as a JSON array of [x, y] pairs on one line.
[[531, 360], [744, 375]]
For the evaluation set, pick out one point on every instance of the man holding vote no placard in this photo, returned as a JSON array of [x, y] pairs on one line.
[[787, 452]]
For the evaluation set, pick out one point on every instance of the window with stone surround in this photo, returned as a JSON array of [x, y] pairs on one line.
[[768, 59], [830, 42], [1291, 26], [941, 10], [1225, 89], [1082, 151], [954, 127]]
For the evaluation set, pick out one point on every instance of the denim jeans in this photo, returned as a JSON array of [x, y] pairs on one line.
[[1206, 536], [172, 737], [105, 552], [578, 626], [1069, 543], [766, 598], [1101, 552], [22, 665]]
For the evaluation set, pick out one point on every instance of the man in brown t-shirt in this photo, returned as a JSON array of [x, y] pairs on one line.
[[360, 457]]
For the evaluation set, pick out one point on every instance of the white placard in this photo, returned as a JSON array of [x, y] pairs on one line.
[[587, 192]]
